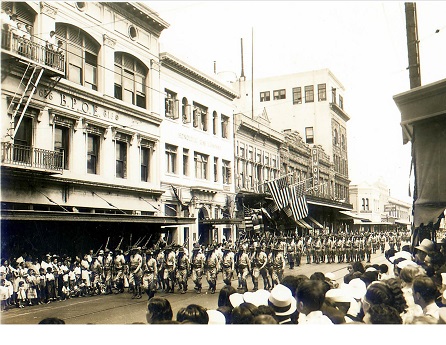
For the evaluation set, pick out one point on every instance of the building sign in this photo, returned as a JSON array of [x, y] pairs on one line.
[[315, 168], [76, 104], [200, 142]]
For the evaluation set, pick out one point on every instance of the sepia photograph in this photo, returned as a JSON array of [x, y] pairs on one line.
[[223, 163]]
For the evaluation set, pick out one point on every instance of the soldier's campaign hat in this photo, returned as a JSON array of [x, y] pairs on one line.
[[196, 246], [181, 250]]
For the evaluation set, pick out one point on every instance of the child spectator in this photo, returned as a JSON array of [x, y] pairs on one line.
[[32, 287], [50, 285], [21, 294]]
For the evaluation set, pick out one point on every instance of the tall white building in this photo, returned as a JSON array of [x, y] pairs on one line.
[[198, 151]]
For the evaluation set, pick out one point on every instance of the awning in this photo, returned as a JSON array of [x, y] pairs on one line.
[[402, 222], [361, 222], [315, 222], [326, 205], [351, 215], [29, 215], [303, 224], [220, 221]]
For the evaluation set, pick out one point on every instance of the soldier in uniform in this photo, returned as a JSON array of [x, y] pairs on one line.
[[259, 261], [170, 271], [161, 262], [299, 250], [197, 263], [291, 252], [317, 250], [347, 249], [382, 242], [244, 266], [150, 274], [269, 267], [374, 243], [136, 271], [368, 247], [227, 264], [183, 265], [118, 278], [211, 268], [391, 241], [278, 262], [108, 265], [309, 249], [96, 274], [340, 248]]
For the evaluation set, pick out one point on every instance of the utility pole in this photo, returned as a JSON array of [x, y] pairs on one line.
[[413, 50]]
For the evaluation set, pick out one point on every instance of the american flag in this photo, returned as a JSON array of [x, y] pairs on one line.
[[298, 202], [279, 191], [248, 219]]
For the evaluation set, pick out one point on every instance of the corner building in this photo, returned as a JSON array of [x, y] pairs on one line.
[[81, 127]]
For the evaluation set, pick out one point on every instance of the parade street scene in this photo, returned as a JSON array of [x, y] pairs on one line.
[[221, 163]]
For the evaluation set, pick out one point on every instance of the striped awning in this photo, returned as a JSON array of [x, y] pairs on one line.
[[315, 222], [303, 224]]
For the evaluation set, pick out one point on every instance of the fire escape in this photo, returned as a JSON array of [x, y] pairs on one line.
[[33, 62]]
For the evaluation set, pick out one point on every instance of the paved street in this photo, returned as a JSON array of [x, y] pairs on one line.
[[121, 309]]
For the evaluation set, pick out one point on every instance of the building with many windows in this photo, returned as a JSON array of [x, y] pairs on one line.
[[198, 152], [81, 124]]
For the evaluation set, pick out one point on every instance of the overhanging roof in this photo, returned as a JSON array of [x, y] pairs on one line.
[[303, 224], [27, 215], [316, 223], [220, 221], [351, 215]]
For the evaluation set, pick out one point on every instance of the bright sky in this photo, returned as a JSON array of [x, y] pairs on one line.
[[362, 43]]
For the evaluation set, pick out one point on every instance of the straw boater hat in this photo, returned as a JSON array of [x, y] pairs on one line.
[[402, 254], [236, 299], [426, 246], [216, 317], [260, 297], [282, 300]]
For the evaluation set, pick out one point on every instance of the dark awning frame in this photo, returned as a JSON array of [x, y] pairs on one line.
[[29, 215]]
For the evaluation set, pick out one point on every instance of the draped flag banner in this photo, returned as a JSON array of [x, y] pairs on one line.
[[279, 190], [298, 201], [248, 219]]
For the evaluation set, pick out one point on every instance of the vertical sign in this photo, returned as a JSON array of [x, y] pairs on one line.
[[315, 168]]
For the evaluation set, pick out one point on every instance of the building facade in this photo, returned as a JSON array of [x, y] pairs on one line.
[[198, 158], [81, 123]]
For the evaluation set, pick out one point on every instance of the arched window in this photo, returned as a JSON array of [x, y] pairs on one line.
[[82, 52], [130, 79]]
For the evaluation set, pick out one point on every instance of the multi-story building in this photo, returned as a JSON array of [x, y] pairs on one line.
[[81, 124], [314, 148], [198, 152], [312, 104], [375, 209]]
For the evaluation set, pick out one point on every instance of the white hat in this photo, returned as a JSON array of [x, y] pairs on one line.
[[216, 317], [236, 299], [282, 300], [371, 269], [260, 297], [443, 278], [402, 254], [406, 263], [357, 288], [339, 295]]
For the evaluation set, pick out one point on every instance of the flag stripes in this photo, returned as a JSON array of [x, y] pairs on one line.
[[279, 191], [248, 219], [298, 202]]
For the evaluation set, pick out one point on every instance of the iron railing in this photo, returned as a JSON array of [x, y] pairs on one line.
[[34, 49], [32, 157]]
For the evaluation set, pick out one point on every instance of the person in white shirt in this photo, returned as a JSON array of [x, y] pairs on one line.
[[310, 296]]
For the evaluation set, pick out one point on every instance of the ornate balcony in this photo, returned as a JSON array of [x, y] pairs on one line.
[[31, 158]]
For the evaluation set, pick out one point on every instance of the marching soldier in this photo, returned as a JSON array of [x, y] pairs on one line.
[[269, 267], [96, 274], [340, 249], [119, 264], [150, 274], [227, 264], [398, 241], [211, 268], [391, 241], [108, 265], [197, 264], [169, 272], [309, 249], [347, 249], [382, 242], [278, 265], [368, 248], [135, 272], [317, 250], [182, 271], [291, 252], [161, 266], [374, 243], [259, 262], [299, 250], [244, 266]]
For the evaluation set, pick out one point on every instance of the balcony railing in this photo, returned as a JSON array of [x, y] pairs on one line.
[[34, 49], [31, 157]]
